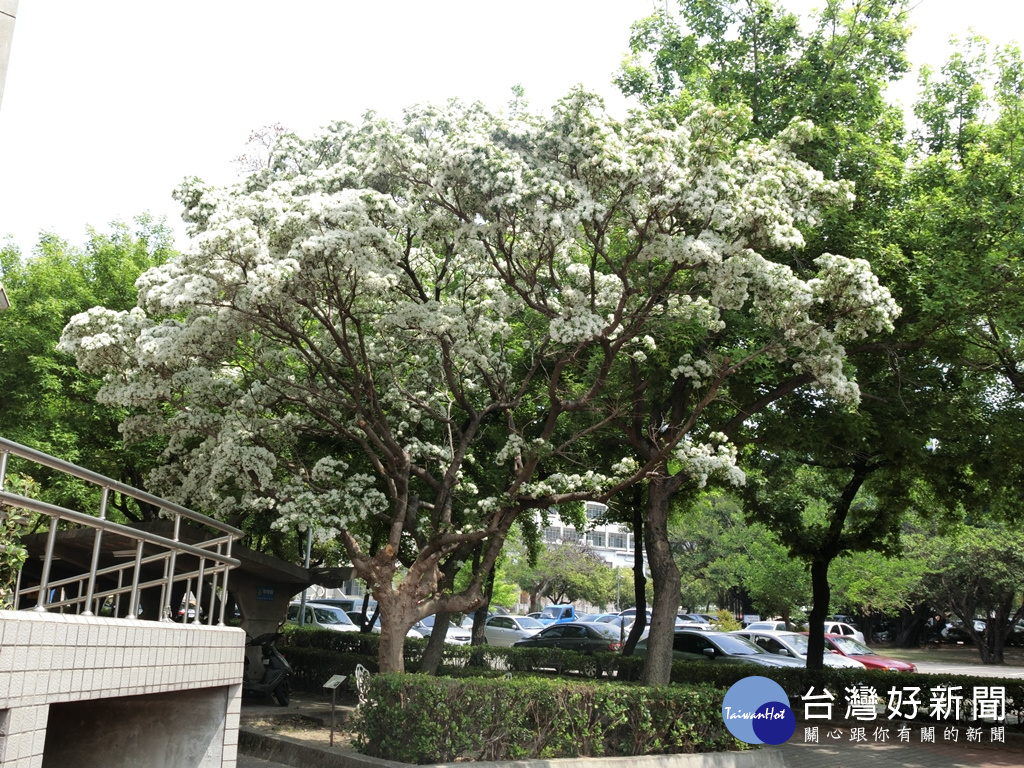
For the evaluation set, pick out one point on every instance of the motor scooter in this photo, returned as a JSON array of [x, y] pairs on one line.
[[276, 670]]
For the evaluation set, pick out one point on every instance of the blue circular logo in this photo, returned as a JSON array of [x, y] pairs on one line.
[[756, 710]]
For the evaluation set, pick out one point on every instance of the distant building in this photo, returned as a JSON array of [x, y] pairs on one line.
[[611, 541]]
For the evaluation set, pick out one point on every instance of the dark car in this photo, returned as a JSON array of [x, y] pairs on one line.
[[720, 648], [581, 636]]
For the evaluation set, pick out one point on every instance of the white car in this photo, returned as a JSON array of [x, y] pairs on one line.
[[455, 636], [357, 618], [767, 626], [846, 630], [323, 616], [792, 644], [505, 630]]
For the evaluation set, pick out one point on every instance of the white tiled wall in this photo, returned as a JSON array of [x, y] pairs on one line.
[[47, 658]]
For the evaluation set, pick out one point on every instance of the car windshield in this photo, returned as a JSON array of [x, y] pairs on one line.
[[736, 646], [327, 616], [797, 642], [851, 647], [551, 612], [527, 623]]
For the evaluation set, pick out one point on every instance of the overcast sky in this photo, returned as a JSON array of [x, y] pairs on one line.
[[109, 105]]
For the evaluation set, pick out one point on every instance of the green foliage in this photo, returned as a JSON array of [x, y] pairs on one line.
[[315, 652], [504, 592], [13, 523], [566, 573], [49, 404], [978, 572], [721, 555], [725, 621], [867, 582], [416, 719]]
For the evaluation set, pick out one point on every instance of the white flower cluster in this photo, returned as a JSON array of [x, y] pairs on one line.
[[384, 284], [699, 371], [715, 458]]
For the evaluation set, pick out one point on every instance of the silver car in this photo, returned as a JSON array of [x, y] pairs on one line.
[[454, 636], [323, 616], [505, 630], [792, 644]]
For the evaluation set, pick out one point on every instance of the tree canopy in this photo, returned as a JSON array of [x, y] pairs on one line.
[[404, 334]]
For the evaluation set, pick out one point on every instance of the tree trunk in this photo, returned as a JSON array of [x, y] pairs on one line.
[[478, 640], [821, 594], [398, 611], [665, 575], [639, 579], [912, 626], [435, 646]]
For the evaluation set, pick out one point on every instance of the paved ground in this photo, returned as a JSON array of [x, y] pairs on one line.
[[934, 668]]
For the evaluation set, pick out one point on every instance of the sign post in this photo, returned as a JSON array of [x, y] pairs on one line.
[[333, 684]]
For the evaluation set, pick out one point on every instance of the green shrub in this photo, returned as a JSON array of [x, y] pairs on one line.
[[420, 719], [725, 621]]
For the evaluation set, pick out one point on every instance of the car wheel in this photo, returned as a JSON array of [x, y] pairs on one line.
[[590, 667]]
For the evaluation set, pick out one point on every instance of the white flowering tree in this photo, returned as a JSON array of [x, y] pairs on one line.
[[405, 334]]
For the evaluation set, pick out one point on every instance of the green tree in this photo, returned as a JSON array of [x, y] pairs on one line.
[[49, 404], [963, 239], [565, 573], [756, 54], [391, 304], [978, 572]]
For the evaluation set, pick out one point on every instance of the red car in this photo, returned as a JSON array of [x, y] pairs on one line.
[[849, 647]]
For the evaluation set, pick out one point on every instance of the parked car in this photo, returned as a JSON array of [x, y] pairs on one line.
[[792, 644], [692, 621], [505, 630], [455, 635], [347, 604], [844, 629], [552, 614], [850, 648], [632, 612], [357, 619], [719, 648], [770, 626], [954, 631], [324, 616], [587, 637]]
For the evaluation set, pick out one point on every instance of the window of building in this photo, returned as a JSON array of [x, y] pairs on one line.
[[595, 539], [617, 540]]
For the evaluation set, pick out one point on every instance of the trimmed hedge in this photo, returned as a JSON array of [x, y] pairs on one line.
[[315, 654], [421, 719]]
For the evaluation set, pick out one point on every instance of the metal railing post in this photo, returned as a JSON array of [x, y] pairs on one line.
[[133, 604], [91, 588], [168, 608], [44, 580], [197, 619], [224, 589]]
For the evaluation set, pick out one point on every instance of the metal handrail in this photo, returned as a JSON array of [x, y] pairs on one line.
[[52, 593]]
